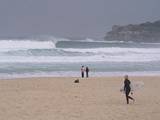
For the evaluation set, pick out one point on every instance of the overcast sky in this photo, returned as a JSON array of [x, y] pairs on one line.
[[72, 18]]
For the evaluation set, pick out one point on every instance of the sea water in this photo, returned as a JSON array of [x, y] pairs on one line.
[[64, 57]]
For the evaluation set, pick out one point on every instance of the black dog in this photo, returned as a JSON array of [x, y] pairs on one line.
[[76, 81]]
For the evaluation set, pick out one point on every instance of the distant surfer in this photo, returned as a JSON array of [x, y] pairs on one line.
[[82, 71], [127, 88], [87, 72]]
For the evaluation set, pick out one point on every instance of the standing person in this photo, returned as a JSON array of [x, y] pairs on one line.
[[82, 71], [87, 71], [127, 88]]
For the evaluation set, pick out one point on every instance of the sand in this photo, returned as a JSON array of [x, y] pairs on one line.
[[91, 99]]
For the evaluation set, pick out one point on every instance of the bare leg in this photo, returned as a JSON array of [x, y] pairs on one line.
[[131, 98]]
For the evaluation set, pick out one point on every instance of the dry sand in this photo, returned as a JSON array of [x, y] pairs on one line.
[[91, 99]]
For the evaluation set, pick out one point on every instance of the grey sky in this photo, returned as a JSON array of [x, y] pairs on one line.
[[72, 18]]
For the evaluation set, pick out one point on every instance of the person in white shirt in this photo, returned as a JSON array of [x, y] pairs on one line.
[[82, 71]]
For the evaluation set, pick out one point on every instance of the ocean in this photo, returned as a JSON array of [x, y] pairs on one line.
[[63, 57]]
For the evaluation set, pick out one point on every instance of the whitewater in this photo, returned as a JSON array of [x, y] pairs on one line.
[[64, 57]]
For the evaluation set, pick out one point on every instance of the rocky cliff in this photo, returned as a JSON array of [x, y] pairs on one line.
[[145, 32]]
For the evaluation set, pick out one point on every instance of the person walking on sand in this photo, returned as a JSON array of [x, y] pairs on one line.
[[127, 88], [87, 71], [82, 71]]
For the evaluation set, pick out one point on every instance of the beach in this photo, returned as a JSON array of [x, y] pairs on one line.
[[59, 98]]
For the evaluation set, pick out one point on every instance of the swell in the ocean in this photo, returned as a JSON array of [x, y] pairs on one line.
[[47, 52], [55, 56]]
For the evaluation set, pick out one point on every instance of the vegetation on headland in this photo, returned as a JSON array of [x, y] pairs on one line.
[[145, 32]]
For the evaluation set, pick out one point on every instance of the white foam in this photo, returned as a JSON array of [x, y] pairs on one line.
[[115, 50], [9, 45], [112, 54], [79, 59]]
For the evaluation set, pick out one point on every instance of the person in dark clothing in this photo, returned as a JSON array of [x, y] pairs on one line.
[[127, 88], [87, 71], [82, 71]]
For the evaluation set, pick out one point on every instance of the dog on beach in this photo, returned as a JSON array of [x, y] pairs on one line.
[[76, 81]]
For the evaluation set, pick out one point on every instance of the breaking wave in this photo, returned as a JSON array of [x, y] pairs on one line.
[[51, 55]]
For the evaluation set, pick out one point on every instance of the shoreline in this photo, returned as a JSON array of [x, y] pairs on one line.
[[77, 75], [80, 78]]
